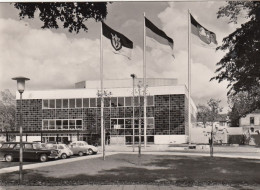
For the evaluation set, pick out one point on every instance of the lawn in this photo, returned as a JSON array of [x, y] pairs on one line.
[[148, 169]]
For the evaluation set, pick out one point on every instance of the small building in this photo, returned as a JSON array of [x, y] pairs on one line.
[[251, 122], [75, 114]]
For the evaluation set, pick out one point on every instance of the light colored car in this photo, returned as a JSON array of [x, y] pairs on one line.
[[82, 147], [63, 150]]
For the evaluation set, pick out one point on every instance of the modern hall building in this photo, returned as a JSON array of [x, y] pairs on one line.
[[75, 114]]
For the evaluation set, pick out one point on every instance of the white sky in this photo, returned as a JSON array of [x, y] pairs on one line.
[[55, 59]]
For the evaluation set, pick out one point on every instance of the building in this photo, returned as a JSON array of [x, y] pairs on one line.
[[251, 122], [74, 114]]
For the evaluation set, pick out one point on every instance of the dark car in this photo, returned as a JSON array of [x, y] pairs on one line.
[[33, 151]]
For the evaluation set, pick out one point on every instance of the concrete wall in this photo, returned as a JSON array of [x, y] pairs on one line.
[[29, 138], [170, 139]]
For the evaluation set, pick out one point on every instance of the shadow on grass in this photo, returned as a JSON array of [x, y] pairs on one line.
[[181, 171]]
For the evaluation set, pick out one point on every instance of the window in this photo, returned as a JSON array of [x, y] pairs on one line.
[[128, 101], [65, 103], [28, 146], [72, 103], [58, 124], [252, 120], [58, 103], [45, 104], [136, 101], [45, 125], [93, 102], [51, 124], [79, 103], [51, 103], [121, 101], [106, 102], [65, 124], [150, 101], [86, 102], [98, 102], [78, 124], [72, 124], [113, 102]]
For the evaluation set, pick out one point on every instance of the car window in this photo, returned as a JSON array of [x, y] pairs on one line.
[[60, 147], [73, 144], [5, 146], [36, 146], [17, 146], [28, 146], [54, 146], [66, 146]]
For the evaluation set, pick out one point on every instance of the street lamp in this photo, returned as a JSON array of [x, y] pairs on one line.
[[20, 88], [133, 122]]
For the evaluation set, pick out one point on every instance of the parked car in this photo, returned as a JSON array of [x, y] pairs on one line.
[[11, 150], [63, 149], [82, 147]]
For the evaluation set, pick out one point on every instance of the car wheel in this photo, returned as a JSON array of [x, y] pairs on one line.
[[43, 158], [64, 156], [90, 151], [9, 158], [80, 153]]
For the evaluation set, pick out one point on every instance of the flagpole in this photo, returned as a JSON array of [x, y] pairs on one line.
[[144, 83], [102, 93], [189, 77]]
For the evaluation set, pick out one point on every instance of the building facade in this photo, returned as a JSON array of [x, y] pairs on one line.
[[75, 114]]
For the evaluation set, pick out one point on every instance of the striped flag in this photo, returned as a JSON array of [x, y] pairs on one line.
[[157, 38], [205, 36], [119, 43]]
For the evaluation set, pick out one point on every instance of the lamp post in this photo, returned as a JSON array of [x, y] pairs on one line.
[[133, 122], [20, 88], [139, 119]]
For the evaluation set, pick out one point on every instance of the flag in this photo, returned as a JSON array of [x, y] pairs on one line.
[[205, 36], [120, 43], [155, 36]]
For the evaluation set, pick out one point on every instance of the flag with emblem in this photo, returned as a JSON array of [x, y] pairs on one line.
[[205, 36], [119, 43], [156, 38]]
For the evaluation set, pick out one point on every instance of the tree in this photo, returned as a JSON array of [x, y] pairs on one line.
[[210, 112], [72, 14], [7, 111], [240, 65], [203, 114]]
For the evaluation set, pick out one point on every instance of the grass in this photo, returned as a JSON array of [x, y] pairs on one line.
[[148, 169]]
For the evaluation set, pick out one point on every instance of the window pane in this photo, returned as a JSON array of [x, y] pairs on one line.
[[65, 103], [128, 101], [72, 103], [150, 121], [106, 102], [45, 103], [113, 122], [121, 101], [51, 124], [142, 100], [114, 102], [79, 124], [52, 103], [79, 103], [98, 102], [121, 122], [136, 101], [65, 124], [58, 124], [72, 124], [45, 125], [58, 103], [150, 101], [93, 102], [85, 102]]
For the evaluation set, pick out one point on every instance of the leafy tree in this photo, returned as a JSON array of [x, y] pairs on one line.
[[7, 111], [203, 114], [210, 112], [240, 66], [71, 14]]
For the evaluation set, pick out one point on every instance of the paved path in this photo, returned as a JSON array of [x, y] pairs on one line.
[[127, 187]]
